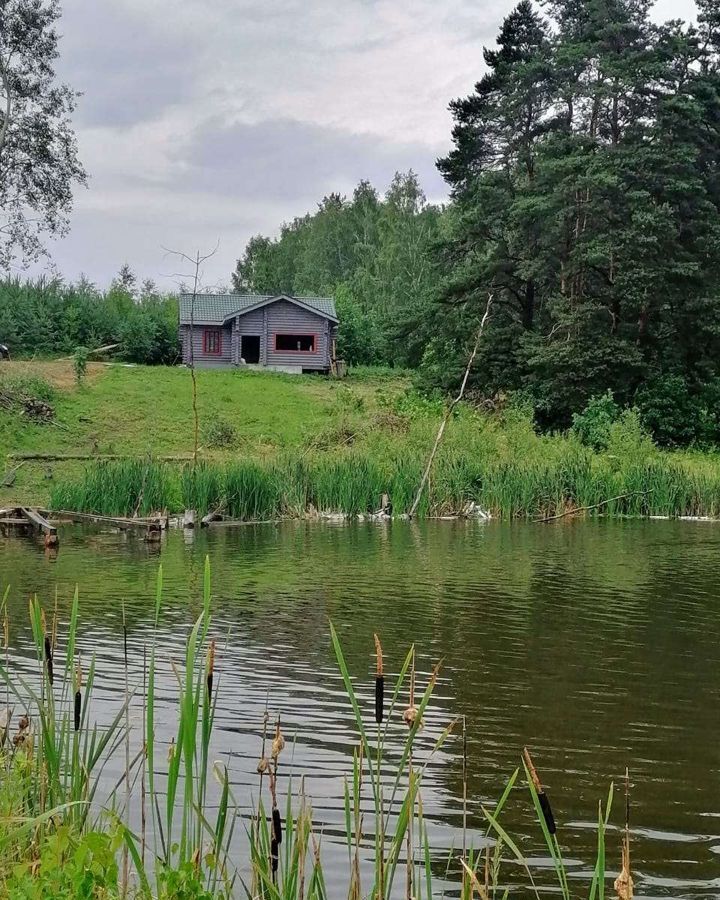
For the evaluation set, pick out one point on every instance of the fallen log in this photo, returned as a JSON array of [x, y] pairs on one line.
[[93, 352], [214, 516], [89, 457], [579, 509]]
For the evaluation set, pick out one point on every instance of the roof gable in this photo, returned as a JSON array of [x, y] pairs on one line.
[[216, 309]]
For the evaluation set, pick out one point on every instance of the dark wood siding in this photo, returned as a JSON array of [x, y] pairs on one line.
[[224, 358], [284, 317], [281, 317]]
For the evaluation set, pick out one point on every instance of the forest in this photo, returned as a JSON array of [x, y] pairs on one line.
[[585, 195], [584, 199]]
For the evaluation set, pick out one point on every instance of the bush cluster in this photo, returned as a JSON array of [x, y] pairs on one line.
[[49, 317]]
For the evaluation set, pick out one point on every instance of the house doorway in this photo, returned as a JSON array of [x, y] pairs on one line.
[[250, 348]]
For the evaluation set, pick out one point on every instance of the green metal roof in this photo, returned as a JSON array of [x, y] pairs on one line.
[[214, 309]]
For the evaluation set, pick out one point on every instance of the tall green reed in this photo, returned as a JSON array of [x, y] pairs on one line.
[[191, 840]]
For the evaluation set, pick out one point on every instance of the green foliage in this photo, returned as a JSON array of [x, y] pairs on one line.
[[676, 414], [51, 848], [50, 317], [80, 363], [69, 865], [22, 387], [511, 473], [587, 201], [38, 150], [592, 426], [220, 434], [125, 487], [374, 255]]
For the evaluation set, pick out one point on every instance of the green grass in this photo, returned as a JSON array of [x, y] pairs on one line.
[[302, 443]]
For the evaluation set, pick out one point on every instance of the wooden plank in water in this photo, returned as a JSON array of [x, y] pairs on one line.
[[37, 520], [120, 521]]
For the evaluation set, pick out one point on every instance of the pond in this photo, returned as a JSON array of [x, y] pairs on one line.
[[595, 643]]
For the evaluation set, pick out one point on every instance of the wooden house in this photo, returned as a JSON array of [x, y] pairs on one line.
[[282, 332]]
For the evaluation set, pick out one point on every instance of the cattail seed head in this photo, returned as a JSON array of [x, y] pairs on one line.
[[379, 681], [410, 716], [379, 698], [547, 812], [78, 696], [262, 765], [77, 710], [378, 656], [543, 798], [49, 660], [277, 825], [278, 744], [210, 668]]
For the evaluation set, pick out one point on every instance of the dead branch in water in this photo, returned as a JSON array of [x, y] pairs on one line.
[[449, 411], [579, 509]]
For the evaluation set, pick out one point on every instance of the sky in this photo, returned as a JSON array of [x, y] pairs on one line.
[[203, 122]]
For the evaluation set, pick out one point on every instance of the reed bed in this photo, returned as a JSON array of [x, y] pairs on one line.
[[57, 839], [352, 483]]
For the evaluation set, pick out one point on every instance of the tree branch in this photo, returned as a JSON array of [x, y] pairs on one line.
[[448, 413]]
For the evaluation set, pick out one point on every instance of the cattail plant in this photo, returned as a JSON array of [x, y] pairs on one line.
[[48, 650], [210, 668], [278, 745], [624, 885], [77, 708], [541, 795], [547, 821], [379, 681]]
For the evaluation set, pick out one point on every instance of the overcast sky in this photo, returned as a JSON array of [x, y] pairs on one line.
[[207, 120]]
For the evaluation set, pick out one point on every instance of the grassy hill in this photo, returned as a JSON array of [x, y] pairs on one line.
[[275, 444], [144, 410]]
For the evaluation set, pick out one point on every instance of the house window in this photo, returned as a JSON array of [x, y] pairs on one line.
[[212, 341], [296, 343]]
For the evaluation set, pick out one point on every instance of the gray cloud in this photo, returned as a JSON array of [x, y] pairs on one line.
[[283, 160], [213, 119], [126, 67]]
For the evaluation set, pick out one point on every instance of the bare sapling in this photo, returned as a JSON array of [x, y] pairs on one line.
[[449, 410]]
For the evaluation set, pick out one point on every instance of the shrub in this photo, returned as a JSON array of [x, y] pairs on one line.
[[592, 426], [628, 440], [220, 434], [80, 363], [23, 387], [677, 415]]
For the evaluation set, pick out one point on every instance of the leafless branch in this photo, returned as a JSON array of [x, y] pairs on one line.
[[449, 411], [195, 262]]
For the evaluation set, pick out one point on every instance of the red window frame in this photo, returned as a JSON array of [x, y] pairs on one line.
[[212, 336], [314, 335]]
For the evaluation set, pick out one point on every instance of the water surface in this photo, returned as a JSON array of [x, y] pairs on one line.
[[594, 643]]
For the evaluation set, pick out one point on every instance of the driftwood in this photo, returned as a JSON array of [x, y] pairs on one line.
[[10, 476], [579, 509], [93, 352], [449, 411], [119, 521], [214, 516]]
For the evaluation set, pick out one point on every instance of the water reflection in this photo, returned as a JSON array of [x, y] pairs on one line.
[[594, 643]]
